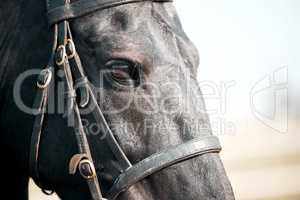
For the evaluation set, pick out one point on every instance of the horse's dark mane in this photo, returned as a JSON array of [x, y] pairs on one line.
[[10, 16], [22, 23]]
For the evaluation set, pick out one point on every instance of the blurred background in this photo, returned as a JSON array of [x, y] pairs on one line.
[[250, 76]]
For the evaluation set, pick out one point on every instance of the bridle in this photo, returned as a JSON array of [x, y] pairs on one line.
[[65, 57]]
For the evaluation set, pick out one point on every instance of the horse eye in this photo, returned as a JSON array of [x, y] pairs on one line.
[[124, 73]]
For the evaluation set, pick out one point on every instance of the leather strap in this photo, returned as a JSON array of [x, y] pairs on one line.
[[77, 71], [57, 13], [88, 98], [164, 159], [39, 109], [110, 139], [73, 113]]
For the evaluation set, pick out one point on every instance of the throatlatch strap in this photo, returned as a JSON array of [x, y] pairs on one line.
[[39, 112], [39, 109]]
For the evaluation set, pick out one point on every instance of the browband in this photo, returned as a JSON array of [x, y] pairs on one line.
[[83, 7]]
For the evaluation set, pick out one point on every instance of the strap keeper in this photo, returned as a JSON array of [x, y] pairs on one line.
[[71, 94], [81, 81]]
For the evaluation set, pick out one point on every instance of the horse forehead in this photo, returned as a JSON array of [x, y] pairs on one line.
[[128, 17]]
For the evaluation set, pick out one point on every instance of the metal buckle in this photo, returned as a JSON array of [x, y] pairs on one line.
[[91, 169], [44, 78], [60, 55], [70, 49]]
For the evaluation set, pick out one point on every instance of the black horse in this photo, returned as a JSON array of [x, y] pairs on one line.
[[163, 108]]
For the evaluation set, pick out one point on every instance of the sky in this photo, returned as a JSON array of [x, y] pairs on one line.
[[250, 76], [245, 41]]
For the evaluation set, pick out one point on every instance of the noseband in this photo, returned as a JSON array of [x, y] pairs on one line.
[[65, 58]]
